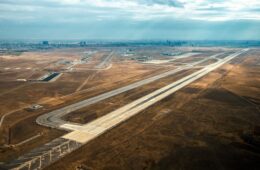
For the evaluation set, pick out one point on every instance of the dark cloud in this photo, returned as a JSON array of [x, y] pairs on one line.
[[212, 9], [173, 3]]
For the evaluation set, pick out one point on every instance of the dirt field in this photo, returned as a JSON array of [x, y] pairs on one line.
[[211, 124], [19, 94], [21, 125]]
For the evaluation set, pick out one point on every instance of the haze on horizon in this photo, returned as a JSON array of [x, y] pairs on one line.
[[130, 19]]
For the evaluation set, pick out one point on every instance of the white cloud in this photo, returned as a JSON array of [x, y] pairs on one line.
[[134, 9]]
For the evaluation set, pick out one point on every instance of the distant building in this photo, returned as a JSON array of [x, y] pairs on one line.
[[21, 79], [35, 107], [143, 58], [171, 53], [83, 43], [45, 43]]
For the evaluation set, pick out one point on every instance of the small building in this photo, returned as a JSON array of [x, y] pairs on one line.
[[171, 53], [143, 58], [21, 80], [35, 107]]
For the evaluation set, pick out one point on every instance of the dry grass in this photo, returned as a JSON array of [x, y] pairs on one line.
[[199, 127]]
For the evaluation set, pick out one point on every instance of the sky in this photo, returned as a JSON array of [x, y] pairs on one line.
[[130, 19]]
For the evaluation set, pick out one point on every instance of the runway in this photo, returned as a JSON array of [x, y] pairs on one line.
[[103, 64], [54, 119], [85, 133], [82, 134]]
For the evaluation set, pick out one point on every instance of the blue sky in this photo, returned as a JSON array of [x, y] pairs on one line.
[[130, 19]]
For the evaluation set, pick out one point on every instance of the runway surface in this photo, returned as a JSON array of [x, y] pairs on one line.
[[82, 134], [85, 133], [54, 119], [105, 61]]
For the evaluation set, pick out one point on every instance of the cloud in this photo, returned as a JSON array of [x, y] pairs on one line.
[[134, 9], [172, 3], [131, 17]]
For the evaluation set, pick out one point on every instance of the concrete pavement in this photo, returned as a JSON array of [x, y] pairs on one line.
[[82, 134], [85, 133], [54, 119]]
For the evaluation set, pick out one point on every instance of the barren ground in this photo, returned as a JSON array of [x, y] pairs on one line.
[[211, 124], [21, 125], [203, 126]]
